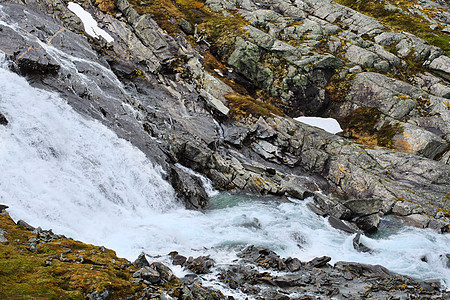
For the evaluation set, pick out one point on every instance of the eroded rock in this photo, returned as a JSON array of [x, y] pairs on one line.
[[3, 120]]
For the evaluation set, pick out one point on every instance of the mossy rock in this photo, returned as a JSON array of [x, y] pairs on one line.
[[363, 126]]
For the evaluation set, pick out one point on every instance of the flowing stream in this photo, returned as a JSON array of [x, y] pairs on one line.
[[63, 171]]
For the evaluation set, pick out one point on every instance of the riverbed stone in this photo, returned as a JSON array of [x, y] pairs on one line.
[[189, 188], [3, 120], [364, 206], [333, 207], [141, 261], [200, 265], [147, 273], [368, 224], [319, 262]]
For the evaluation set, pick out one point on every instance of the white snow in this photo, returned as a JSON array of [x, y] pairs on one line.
[[90, 25], [328, 124]]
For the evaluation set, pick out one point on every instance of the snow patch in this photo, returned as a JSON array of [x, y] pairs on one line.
[[328, 124], [90, 25]]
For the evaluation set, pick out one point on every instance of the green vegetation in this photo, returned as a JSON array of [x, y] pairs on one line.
[[242, 106], [361, 126], [397, 20], [25, 274], [107, 6], [338, 88], [220, 32]]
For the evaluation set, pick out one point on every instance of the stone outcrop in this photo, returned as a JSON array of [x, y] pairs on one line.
[[317, 278], [154, 89], [215, 92], [66, 268]]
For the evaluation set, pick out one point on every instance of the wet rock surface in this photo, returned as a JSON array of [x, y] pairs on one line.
[[90, 272], [3, 120], [168, 93], [258, 273], [317, 278], [155, 92]]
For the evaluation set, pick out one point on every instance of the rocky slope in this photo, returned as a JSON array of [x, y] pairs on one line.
[[216, 96], [213, 85], [38, 264]]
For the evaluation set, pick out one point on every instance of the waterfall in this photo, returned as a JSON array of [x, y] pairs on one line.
[[64, 171]]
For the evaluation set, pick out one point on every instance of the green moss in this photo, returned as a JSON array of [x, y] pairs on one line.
[[107, 6], [338, 88], [360, 125], [397, 20], [26, 275], [220, 30], [243, 106]]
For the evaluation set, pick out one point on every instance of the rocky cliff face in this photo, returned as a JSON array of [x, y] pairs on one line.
[[213, 85]]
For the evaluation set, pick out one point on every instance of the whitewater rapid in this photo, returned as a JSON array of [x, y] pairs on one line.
[[64, 171]]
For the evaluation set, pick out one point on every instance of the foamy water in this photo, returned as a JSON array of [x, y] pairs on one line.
[[63, 171]]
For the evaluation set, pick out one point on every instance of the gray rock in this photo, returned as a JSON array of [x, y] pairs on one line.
[[37, 63], [360, 246], [187, 27], [235, 135], [364, 206], [297, 188], [440, 90], [368, 223], [402, 105], [388, 38], [263, 130], [149, 274], [141, 261], [265, 149], [245, 58], [418, 140], [333, 207], [177, 259], [370, 271], [338, 224], [3, 120], [441, 65], [403, 208], [319, 262], [360, 56], [96, 295], [260, 38], [317, 210], [356, 69], [3, 207], [214, 103], [26, 225], [293, 264], [200, 265], [165, 272], [383, 66], [417, 220], [189, 188], [3, 239], [262, 257]]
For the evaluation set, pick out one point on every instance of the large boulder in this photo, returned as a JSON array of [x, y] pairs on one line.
[[189, 188]]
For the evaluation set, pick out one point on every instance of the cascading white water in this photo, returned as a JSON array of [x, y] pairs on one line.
[[63, 171]]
